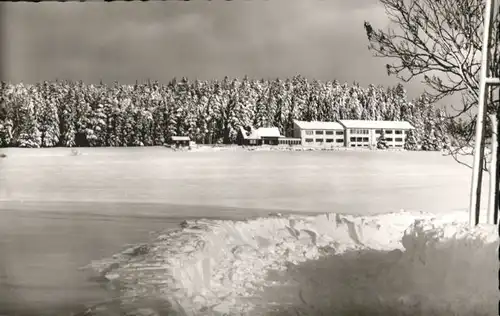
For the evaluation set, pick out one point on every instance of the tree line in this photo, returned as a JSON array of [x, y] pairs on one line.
[[65, 113]]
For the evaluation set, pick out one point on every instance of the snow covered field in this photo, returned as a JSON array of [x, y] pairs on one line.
[[60, 211]]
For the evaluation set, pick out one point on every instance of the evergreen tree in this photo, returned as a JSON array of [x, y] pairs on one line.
[[261, 115], [411, 141], [170, 114], [49, 124], [27, 133], [289, 112], [6, 114], [97, 118], [344, 100], [334, 100], [429, 142], [381, 141], [372, 103], [355, 106], [245, 105]]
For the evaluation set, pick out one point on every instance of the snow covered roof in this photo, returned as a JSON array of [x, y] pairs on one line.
[[180, 138], [260, 132], [376, 124], [318, 125], [269, 132], [249, 135]]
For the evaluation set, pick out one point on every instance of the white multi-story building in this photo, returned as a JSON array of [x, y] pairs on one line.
[[319, 133], [352, 133], [363, 133]]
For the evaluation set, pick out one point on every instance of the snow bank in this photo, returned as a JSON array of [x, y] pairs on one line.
[[211, 267]]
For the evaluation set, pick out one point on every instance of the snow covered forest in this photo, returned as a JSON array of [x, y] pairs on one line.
[[63, 113]]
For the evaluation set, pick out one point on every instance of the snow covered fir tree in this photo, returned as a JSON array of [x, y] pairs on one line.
[[63, 113]]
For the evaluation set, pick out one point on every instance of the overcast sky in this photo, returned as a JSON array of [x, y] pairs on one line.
[[126, 41]]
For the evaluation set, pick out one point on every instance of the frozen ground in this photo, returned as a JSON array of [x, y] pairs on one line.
[[60, 211], [343, 181]]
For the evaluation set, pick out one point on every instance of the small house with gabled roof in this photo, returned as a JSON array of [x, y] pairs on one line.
[[180, 141], [261, 136]]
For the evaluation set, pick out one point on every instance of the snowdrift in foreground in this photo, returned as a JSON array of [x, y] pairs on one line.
[[312, 265]]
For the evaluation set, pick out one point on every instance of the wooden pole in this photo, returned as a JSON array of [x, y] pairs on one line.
[[493, 192], [497, 75], [496, 130], [477, 168], [497, 183]]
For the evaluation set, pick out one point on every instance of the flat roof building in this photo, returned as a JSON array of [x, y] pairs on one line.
[[364, 133], [317, 133], [351, 133]]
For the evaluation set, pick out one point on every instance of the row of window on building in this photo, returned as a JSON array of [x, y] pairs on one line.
[[355, 131], [326, 140], [352, 139], [323, 132], [389, 131], [289, 141]]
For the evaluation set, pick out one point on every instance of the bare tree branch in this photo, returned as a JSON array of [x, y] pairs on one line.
[[439, 41]]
